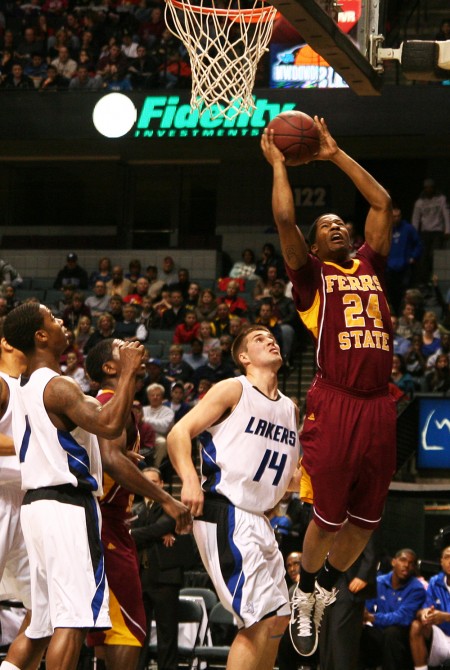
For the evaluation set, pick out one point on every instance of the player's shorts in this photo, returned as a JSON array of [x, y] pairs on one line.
[[242, 558], [61, 526], [126, 606], [349, 452], [14, 565], [440, 647]]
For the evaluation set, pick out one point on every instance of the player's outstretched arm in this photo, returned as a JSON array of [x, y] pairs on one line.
[[218, 401], [378, 228], [64, 399], [124, 472], [293, 245]]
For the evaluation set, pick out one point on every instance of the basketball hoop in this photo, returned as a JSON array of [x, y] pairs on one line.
[[224, 45]]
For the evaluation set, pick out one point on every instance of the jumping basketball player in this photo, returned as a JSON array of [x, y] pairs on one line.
[[53, 429], [248, 431], [348, 437]]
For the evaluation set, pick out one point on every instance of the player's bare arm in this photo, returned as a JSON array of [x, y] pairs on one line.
[[378, 227], [66, 403], [293, 245], [222, 398], [124, 472]]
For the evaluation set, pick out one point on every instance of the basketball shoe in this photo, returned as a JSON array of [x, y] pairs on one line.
[[323, 599], [302, 627]]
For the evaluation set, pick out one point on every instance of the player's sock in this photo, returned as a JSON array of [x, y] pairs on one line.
[[6, 665], [421, 667], [307, 580], [328, 576]]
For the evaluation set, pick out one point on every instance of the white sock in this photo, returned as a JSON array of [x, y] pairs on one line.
[[6, 665], [421, 667]]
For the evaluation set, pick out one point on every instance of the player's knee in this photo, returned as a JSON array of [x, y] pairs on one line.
[[277, 625]]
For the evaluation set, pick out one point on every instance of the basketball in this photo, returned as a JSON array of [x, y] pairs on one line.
[[296, 136]]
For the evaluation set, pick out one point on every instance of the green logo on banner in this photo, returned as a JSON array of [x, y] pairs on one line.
[[163, 116]]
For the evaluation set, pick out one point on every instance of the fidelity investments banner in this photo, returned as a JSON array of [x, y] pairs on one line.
[[164, 116]]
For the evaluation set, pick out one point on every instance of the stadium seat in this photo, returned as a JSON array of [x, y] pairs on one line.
[[215, 655]]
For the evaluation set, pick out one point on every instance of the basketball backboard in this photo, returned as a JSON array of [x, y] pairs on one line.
[[324, 25]]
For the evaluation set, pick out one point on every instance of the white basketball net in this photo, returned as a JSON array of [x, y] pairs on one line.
[[224, 43]]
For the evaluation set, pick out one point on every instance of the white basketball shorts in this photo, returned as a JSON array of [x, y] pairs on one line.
[[14, 566], [242, 558], [61, 527]]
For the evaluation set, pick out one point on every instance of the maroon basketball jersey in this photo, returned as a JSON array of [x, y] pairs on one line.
[[346, 312]]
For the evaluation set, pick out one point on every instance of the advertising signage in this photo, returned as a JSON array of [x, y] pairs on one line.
[[165, 116]]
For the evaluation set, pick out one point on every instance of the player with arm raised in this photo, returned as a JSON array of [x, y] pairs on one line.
[[248, 433], [348, 438], [54, 427]]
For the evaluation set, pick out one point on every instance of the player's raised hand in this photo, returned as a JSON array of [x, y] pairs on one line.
[[192, 497], [131, 355], [180, 513], [328, 145], [271, 152]]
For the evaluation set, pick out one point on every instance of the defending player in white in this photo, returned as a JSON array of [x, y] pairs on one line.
[[250, 451]]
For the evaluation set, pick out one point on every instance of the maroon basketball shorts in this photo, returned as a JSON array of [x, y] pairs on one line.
[[349, 452]]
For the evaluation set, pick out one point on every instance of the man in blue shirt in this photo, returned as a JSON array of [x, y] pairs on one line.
[[406, 249], [385, 637], [433, 621]]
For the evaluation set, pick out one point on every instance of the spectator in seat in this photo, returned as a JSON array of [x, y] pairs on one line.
[[129, 328], [215, 370], [236, 305], [82, 80], [174, 316], [430, 632], [168, 273], [118, 284], [36, 69], [438, 380], [99, 302], [65, 66], [187, 331], [388, 617], [113, 65], [155, 285], [103, 273], [206, 308], [105, 329], [77, 309], [177, 403], [142, 70], [206, 338], [246, 267], [195, 357], [53, 81], [161, 418], [139, 293], [177, 369], [17, 80], [71, 274]]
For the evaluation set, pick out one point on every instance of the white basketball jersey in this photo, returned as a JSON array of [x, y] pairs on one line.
[[9, 465], [250, 457], [49, 456]]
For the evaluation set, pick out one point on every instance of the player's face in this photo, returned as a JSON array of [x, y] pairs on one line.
[[263, 349], [57, 334], [332, 239], [445, 561]]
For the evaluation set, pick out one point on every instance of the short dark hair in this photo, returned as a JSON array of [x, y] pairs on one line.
[[21, 325], [241, 341], [97, 357]]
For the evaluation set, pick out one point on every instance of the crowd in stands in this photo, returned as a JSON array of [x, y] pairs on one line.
[[52, 45]]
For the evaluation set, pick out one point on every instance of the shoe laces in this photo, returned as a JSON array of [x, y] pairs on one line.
[[302, 611], [323, 599]]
